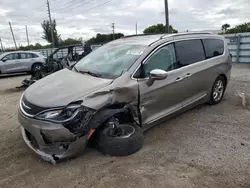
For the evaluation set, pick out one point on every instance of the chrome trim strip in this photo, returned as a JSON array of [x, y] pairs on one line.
[[25, 105], [21, 108]]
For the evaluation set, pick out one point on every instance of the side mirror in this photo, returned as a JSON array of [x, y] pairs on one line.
[[4, 59], [158, 74]]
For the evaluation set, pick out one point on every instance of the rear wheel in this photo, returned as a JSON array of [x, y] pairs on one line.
[[120, 140], [37, 67], [218, 90]]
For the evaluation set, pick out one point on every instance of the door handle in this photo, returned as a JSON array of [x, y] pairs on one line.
[[184, 77], [179, 79], [188, 75]]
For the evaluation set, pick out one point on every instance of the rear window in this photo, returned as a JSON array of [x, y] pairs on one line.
[[213, 47], [189, 52]]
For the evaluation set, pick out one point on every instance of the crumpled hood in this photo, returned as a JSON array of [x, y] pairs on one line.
[[62, 88]]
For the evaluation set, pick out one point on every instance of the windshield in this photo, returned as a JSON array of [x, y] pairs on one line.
[[110, 60], [2, 55]]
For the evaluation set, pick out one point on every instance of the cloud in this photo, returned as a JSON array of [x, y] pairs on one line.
[[85, 18]]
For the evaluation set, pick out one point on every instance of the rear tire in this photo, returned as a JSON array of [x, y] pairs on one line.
[[35, 68], [120, 145], [218, 90]]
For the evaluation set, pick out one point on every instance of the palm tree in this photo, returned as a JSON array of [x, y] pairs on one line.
[[224, 27]]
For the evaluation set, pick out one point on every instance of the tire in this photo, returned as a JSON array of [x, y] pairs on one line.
[[219, 87], [120, 145], [36, 67]]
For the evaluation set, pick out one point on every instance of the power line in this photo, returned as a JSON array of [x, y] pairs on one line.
[[63, 4], [86, 10], [98, 6], [78, 4]]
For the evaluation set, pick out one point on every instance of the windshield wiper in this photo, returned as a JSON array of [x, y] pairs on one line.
[[91, 73]]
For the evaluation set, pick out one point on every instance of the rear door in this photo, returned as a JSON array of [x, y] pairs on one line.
[[11, 64], [25, 61], [197, 77]]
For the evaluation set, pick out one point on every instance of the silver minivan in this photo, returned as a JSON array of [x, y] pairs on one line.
[[21, 61], [120, 90]]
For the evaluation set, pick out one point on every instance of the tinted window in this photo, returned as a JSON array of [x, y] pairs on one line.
[[22, 56], [27, 55], [163, 59], [213, 47], [12, 56], [189, 52], [34, 56]]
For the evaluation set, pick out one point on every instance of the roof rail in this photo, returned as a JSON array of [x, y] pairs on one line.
[[167, 35], [183, 34], [128, 36]]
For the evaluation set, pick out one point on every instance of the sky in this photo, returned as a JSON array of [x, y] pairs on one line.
[[86, 18]]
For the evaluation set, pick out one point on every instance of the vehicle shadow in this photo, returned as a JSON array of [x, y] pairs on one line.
[[12, 90], [2, 76]]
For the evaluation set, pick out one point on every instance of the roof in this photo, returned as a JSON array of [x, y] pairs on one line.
[[20, 52], [140, 39], [146, 39]]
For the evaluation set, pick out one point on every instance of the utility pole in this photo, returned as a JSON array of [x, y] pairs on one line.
[[136, 28], [51, 25], [27, 35], [13, 35], [1, 44], [113, 28], [167, 16]]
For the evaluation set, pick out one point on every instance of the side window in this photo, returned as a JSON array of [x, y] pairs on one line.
[[28, 56], [213, 47], [12, 56], [189, 52], [22, 56], [163, 59], [33, 56]]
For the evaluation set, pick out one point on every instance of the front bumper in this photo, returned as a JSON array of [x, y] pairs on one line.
[[52, 142]]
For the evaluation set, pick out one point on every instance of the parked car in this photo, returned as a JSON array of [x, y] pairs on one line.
[[55, 63], [21, 61], [120, 90]]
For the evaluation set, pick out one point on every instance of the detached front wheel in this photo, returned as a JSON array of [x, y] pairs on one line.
[[123, 140]]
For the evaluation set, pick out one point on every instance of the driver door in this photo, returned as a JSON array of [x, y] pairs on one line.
[[11, 65], [163, 97]]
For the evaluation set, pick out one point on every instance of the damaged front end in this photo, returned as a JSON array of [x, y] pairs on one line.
[[56, 134]]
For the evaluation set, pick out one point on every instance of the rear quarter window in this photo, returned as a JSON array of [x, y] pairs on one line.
[[213, 47], [34, 55]]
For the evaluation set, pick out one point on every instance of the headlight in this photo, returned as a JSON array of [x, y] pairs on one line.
[[60, 115]]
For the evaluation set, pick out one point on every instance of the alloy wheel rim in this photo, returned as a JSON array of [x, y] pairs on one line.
[[218, 90], [37, 68], [122, 131]]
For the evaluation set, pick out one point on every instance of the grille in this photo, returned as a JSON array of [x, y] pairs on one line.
[[30, 108]]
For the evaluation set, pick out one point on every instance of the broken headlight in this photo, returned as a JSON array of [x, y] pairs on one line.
[[60, 115]]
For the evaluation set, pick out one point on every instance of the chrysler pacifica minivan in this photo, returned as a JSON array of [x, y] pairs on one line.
[[120, 90]]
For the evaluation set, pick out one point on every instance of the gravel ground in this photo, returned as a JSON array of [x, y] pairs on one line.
[[208, 146]]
